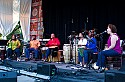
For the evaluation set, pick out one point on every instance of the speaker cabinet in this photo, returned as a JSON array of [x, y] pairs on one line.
[[8, 77], [46, 69], [114, 76]]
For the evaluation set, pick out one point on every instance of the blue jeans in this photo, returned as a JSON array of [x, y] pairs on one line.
[[103, 54], [48, 51], [28, 50], [10, 52], [43, 56], [86, 55], [52, 51], [80, 54], [80, 58]]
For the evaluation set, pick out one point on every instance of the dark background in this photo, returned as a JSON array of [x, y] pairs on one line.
[[63, 16]]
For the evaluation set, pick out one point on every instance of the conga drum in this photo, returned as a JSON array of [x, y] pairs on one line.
[[66, 53], [75, 53]]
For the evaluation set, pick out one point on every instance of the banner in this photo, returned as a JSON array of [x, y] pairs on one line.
[[36, 20]]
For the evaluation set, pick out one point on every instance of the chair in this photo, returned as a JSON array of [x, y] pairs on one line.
[[115, 62], [92, 59]]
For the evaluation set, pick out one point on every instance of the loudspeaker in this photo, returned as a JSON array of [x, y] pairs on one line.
[[114, 76], [46, 69], [123, 66], [8, 77]]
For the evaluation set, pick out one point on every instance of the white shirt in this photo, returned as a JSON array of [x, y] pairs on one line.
[[82, 42]]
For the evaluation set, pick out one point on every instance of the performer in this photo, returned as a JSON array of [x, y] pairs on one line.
[[91, 47], [53, 43], [81, 46], [113, 49], [13, 46], [33, 46]]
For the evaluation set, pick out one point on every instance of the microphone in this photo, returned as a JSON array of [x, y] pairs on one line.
[[69, 36], [87, 19], [72, 20], [103, 32], [76, 36], [89, 39]]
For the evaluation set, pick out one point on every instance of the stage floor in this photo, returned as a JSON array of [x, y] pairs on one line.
[[66, 72]]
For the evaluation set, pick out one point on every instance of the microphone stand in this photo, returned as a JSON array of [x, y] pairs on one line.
[[101, 39], [100, 49], [65, 33]]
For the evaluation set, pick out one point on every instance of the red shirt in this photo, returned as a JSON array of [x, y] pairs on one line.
[[53, 42]]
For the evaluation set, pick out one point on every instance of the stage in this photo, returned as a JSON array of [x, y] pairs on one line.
[[65, 72]]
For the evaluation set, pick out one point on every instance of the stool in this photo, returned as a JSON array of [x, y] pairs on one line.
[[114, 62]]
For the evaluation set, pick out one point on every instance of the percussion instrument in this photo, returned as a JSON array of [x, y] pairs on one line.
[[68, 50]]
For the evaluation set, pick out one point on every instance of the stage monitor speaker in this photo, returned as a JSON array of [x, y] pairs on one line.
[[46, 69], [8, 76], [114, 76], [123, 66]]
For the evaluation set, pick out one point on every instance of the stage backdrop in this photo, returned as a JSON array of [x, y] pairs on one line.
[[36, 20], [64, 16]]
